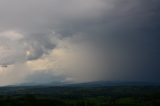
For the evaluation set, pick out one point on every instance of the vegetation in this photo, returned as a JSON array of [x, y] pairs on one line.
[[80, 96]]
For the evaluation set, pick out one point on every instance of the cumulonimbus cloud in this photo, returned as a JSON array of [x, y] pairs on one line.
[[80, 40]]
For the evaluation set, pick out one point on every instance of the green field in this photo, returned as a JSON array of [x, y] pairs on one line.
[[80, 96]]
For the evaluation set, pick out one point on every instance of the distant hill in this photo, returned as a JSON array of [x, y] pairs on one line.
[[55, 88], [89, 84], [114, 83]]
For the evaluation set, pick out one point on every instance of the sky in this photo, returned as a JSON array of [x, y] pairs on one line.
[[72, 41]]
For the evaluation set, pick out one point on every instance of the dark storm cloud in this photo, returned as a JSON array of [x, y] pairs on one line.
[[121, 35], [37, 19], [41, 43], [126, 38], [130, 36]]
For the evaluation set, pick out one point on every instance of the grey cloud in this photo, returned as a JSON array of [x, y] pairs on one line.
[[127, 38], [36, 19], [123, 35], [40, 43]]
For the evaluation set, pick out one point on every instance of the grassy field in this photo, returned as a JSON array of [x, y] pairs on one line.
[[80, 96]]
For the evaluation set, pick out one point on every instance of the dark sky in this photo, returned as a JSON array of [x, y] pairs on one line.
[[45, 41]]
